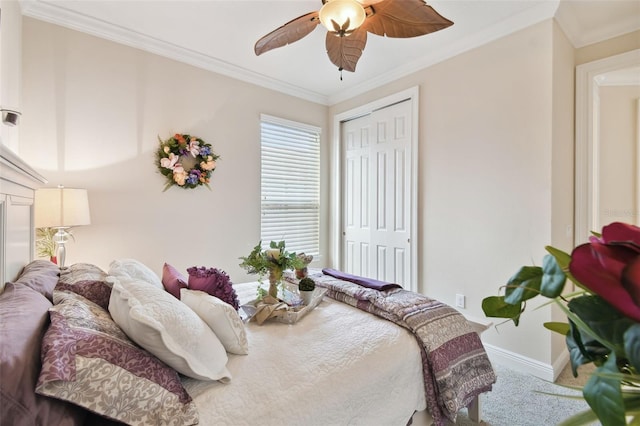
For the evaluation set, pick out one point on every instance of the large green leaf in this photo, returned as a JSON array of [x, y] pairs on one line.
[[578, 355], [563, 260], [606, 322], [495, 306], [559, 327], [604, 395], [553, 278], [524, 285], [561, 257], [632, 345]]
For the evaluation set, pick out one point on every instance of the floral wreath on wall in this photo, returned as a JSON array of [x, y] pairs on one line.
[[186, 161]]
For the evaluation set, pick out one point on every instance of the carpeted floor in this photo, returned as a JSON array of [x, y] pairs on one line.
[[516, 401]]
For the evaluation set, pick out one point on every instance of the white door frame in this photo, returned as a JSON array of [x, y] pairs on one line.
[[337, 170], [587, 155]]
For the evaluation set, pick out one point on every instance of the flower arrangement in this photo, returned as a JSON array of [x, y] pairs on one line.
[[603, 316], [186, 161], [274, 261]]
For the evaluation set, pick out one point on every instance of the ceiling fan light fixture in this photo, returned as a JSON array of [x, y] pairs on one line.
[[347, 14], [348, 22]]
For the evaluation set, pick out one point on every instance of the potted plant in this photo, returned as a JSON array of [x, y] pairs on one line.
[[302, 271], [45, 244], [603, 316], [273, 261], [306, 286]]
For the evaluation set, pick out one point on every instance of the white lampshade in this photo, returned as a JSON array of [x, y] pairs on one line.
[[341, 10], [61, 207]]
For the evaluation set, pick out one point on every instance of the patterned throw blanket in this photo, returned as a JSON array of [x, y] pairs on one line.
[[454, 362]]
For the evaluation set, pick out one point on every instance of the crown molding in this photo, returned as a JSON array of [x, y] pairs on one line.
[[76, 21], [580, 36]]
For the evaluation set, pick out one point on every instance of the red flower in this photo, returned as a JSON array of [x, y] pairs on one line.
[[610, 267]]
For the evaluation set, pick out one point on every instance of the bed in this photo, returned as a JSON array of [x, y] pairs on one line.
[[71, 335]]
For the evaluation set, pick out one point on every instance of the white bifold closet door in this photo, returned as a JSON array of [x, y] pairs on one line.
[[376, 194]]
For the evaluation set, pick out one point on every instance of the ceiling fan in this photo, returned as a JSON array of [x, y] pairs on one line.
[[348, 21]]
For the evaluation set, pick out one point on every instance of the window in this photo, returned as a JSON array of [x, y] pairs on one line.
[[290, 181]]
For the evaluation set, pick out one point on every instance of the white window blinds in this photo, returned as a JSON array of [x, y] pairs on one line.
[[290, 181]]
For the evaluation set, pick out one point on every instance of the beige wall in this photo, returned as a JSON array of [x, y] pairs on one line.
[[618, 154], [93, 112]]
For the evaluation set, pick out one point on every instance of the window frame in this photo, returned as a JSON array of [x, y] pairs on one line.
[[305, 214]]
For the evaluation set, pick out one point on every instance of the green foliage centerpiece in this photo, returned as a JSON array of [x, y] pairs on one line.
[[273, 261], [603, 317]]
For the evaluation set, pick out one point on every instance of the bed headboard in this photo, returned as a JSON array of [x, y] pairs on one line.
[[18, 182]]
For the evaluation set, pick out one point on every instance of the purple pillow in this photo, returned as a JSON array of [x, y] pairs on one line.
[[41, 276], [24, 317], [172, 280], [214, 282]]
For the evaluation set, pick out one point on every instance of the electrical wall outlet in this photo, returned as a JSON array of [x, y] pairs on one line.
[[460, 301]]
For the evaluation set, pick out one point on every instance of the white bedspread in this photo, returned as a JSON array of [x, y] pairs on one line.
[[336, 366]]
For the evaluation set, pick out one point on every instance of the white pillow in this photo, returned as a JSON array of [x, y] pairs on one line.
[[221, 317], [132, 269], [167, 328]]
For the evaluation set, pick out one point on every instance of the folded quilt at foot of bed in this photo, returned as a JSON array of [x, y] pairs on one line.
[[363, 281]]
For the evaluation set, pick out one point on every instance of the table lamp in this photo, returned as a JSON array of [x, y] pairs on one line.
[[61, 208]]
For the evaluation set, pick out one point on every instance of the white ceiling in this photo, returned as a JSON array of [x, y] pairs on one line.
[[219, 35]]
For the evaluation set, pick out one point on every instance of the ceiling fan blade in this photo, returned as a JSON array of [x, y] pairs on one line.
[[345, 51], [290, 32], [404, 19]]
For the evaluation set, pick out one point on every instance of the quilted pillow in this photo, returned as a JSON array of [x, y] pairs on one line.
[[41, 276], [172, 280], [214, 282], [24, 317], [169, 329], [131, 269], [86, 280], [221, 317], [89, 361]]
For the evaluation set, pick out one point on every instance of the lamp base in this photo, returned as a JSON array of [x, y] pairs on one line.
[[60, 238]]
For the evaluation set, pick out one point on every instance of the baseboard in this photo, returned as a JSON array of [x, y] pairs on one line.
[[527, 365], [560, 363]]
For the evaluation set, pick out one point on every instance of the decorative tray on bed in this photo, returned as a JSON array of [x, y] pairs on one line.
[[294, 311]]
